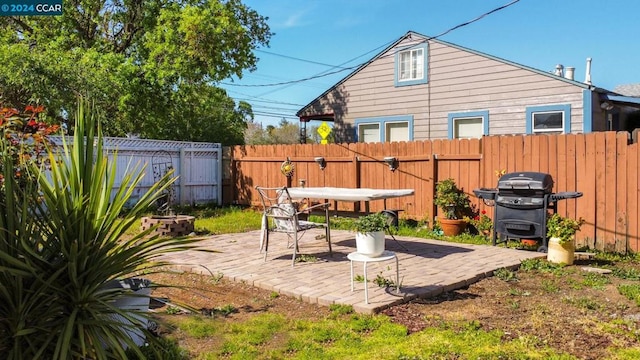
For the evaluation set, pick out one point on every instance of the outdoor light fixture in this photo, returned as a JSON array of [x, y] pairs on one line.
[[320, 161], [606, 106], [392, 162]]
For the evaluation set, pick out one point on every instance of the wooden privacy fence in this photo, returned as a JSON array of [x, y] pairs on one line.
[[601, 165]]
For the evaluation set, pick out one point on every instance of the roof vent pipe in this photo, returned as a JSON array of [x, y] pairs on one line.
[[558, 71], [587, 77], [568, 74]]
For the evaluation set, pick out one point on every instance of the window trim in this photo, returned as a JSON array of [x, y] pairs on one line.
[[484, 114], [565, 109], [382, 122], [425, 57]]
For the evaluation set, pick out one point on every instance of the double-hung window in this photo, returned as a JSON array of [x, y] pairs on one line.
[[468, 125], [384, 129], [411, 66], [549, 119]]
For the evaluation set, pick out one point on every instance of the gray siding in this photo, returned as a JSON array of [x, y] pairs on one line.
[[459, 81]]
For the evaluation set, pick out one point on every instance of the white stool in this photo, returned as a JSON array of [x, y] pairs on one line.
[[386, 255]]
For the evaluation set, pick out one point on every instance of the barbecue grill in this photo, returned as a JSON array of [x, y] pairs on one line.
[[521, 203]]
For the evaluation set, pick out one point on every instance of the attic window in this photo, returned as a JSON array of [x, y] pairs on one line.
[[411, 66]]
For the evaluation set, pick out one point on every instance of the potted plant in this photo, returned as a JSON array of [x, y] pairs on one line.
[[561, 232], [454, 205], [370, 234], [482, 223]]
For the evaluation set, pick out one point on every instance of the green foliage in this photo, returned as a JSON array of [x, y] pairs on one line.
[[306, 258], [383, 282], [631, 292], [172, 310], [596, 281], [199, 327], [159, 349], [505, 274], [626, 273], [152, 65], [481, 222], [370, 223], [341, 309], [583, 302], [24, 143], [369, 337], [285, 133], [542, 266], [550, 286], [227, 310], [453, 202], [562, 228], [229, 220], [63, 246]]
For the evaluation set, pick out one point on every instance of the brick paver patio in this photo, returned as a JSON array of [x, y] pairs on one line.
[[427, 267]]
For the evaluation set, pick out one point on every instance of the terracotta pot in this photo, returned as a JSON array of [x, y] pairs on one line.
[[561, 253], [452, 227], [529, 242]]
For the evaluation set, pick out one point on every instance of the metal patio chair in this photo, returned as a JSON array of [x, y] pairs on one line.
[[280, 214]]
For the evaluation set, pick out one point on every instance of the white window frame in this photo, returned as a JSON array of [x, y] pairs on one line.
[[456, 135], [411, 62], [381, 123], [564, 109], [555, 130], [360, 129], [453, 117]]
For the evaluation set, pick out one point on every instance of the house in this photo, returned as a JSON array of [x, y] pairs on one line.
[[420, 88]]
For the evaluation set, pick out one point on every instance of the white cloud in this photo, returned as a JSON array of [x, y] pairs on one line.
[[297, 19]]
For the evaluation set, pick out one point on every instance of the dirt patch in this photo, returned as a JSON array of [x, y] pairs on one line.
[[578, 312]]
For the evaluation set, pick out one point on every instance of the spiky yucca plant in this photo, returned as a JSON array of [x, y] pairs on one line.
[[65, 309]]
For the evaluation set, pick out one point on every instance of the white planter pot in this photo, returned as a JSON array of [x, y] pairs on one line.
[[370, 244], [134, 303], [560, 253]]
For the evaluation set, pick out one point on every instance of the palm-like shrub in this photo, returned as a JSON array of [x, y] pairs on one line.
[[64, 243]]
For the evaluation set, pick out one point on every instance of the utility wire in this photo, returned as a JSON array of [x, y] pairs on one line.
[[367, 62], [332, 67], [298, 59]]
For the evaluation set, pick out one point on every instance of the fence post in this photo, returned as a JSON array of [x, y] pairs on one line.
[[183, 177]]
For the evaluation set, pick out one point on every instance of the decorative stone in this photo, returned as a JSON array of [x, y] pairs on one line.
[[170, 225]]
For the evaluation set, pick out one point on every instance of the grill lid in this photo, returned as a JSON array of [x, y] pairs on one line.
[[526, 181]]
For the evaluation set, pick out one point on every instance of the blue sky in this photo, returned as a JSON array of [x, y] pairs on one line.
[[314, 37]]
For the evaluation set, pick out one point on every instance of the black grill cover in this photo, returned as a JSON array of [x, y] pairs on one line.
[[522, 181]]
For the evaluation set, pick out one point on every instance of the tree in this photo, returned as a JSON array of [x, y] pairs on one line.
[[149, 66], [285, 133]]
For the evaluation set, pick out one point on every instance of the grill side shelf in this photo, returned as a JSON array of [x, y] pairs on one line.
[[565, 195]]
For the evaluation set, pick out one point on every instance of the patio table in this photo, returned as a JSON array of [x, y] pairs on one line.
[[348, 194]]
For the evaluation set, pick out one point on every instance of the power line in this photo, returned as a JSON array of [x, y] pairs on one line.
[[276, 115], [322, 72], [298, 59], [294, 81], [367, 62]]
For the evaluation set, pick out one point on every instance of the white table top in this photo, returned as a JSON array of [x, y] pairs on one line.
[[347, 194], [386, 255]]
